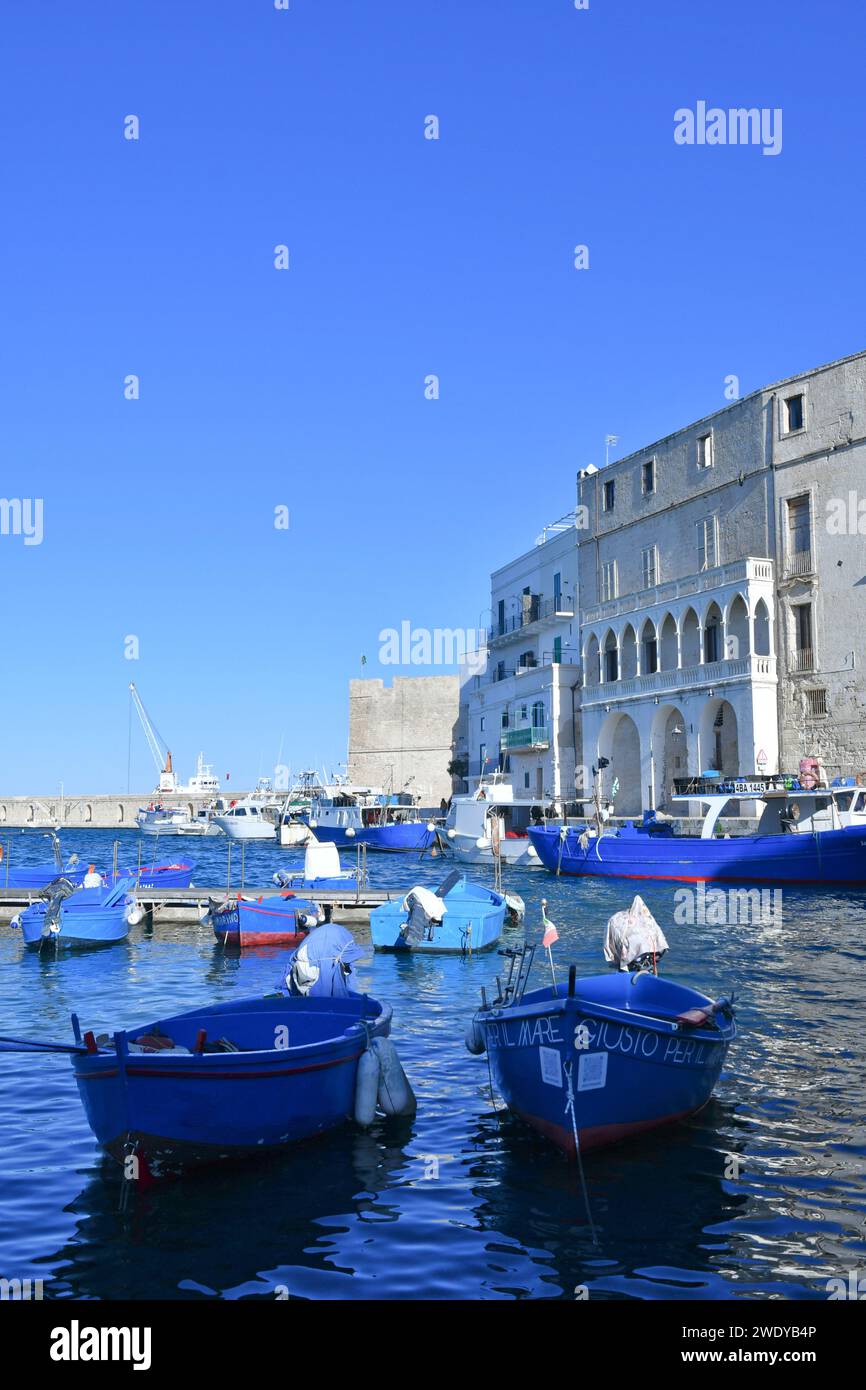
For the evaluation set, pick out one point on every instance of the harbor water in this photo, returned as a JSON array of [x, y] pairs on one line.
[[760, 1196]]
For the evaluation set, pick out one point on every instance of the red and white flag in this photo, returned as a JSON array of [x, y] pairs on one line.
[[550, 932]]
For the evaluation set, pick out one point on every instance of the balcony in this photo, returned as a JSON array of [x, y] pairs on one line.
[[529, 739], [798, 563], [536, 613], [711, 673], [737, 572], [803, 659]]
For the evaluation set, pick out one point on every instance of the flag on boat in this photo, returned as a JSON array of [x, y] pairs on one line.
[[550, 932]]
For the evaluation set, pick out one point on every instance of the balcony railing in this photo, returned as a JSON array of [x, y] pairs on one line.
[[734, 573], [799, 562], [538, 610], [538, 736], [760, 668], [803, 659]]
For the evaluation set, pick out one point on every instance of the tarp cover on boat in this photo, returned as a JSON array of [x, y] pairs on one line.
[[633, 934], [321, 965], [424, 908]]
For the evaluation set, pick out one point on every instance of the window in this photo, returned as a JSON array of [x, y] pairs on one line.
[[648, 477], [523, 713], [526, 780], [500, 616], [816, 703], [500, 670], [609, 495], [711, 642], [708, 543], [526, 659], [650, 656], [557, 650], [799, 535], [557, 591], [505, 719], [611, 664], [803, 655], [538, 714], [649, 567], [482, 724], [705, 451], [609, 587], [794, 414]]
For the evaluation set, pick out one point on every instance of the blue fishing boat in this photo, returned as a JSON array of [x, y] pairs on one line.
[[227, 1080], [804, 835], [596, 1060], [66, 916], [159, 875], [348, 816], [460, 917], [275, 920]]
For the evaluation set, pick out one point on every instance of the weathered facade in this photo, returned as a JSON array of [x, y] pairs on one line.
[[402, 737], [521, 710]]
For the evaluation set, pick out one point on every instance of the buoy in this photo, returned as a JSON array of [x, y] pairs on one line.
[[366, 1088], [395, 1096], [482, 842], [431, 827], [452, 833], [350, 832], [134, 916], [475, 1041]]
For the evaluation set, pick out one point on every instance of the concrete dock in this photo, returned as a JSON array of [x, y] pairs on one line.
[[188, 904]]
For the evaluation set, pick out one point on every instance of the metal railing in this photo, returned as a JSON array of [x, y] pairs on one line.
[[799, 562], [535, 736], [803, 659], [538, 610]]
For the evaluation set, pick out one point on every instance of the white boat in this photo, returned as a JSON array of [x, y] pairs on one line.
[[251, 818], [491, 823]]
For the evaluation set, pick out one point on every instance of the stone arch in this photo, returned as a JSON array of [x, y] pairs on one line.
[[649, 648], [763, 630], [719, 738], [714, 627], [610, 656], [690, 638], [628, 653], [619, 742], [737, 628], [668, 643], [668, 753]]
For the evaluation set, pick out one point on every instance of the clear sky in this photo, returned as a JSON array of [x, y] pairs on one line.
[[408, 257]]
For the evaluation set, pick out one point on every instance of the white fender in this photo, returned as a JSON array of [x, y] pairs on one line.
[[366, 1088], [396, 1096], [475, 1040], [135, 915]]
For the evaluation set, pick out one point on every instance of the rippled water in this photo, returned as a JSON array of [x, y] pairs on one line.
[[463, 1201]]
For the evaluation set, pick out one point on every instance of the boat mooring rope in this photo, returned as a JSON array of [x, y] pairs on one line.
[[569, 1109]]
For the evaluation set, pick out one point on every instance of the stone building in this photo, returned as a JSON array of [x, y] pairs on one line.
[[720, 613], [402, 736]]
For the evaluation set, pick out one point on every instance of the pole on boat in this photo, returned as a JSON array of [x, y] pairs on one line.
[[114, 861], [243, 861], [229, 867], [550, 935]]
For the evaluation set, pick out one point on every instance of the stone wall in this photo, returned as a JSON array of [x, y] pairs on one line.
[[401, 736]]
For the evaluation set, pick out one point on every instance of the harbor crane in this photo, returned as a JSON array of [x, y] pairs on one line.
[[156, 743]]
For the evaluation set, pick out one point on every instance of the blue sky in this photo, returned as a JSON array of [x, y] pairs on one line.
[[408, 257]]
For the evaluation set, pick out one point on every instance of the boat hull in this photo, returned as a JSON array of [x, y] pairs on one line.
[[78, 927], [159, 875], [271, 922], [628, 1073], [832, 856], [38, 876], [191, 1108], [411, 837], [516, 853], [473, 921]]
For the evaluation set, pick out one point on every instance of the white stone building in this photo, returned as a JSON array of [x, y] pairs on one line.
[[520, 713], [716, 609]]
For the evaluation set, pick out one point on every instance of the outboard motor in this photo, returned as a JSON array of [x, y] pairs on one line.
[[425, 909], [634, 940]]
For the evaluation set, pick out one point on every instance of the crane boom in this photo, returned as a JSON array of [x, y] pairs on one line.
[[167, 779]]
